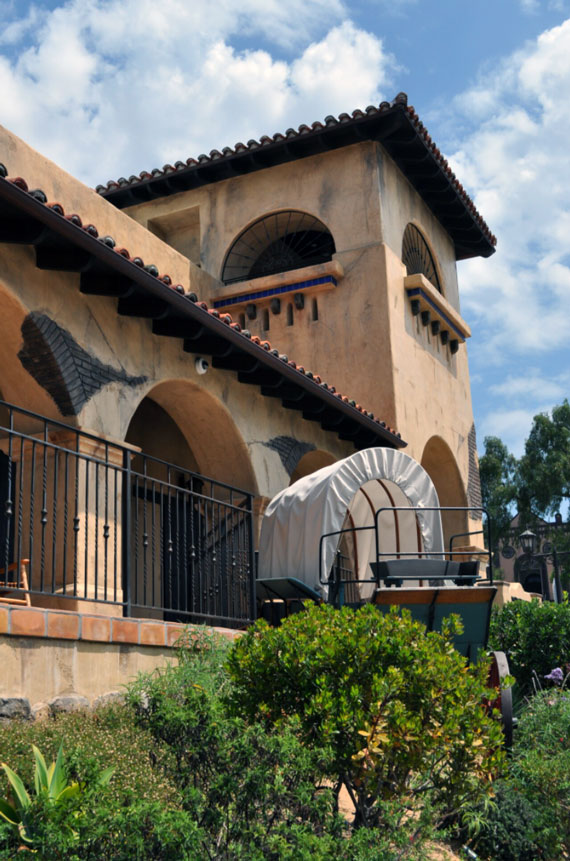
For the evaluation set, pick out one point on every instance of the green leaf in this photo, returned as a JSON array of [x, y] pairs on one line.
[[69, 792], [106, 776], [9, 813], [58, 780], [41, 773], [22, 797]]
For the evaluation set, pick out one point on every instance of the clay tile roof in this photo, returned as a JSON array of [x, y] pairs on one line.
[[395, 125], [152, 270]]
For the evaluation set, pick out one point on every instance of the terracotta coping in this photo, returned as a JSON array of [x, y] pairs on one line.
[[67, 625]]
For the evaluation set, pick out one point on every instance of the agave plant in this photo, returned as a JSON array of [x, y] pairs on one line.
[[51, 784]]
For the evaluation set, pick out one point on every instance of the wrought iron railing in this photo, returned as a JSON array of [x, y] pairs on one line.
[[87, 520], [343, 574]]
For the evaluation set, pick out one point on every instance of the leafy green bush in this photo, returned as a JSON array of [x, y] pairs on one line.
[[52, 788], [139, 806], [511, 829], [536, 637], [398, 708], [530, 819]]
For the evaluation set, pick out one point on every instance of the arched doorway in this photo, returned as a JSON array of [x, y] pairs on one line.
[[310, 462], [189, 520], [439, 462]]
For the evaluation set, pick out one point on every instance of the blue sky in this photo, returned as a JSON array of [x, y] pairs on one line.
[[111, 87]]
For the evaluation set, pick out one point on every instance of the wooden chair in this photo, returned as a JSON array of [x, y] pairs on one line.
[[15, 591]]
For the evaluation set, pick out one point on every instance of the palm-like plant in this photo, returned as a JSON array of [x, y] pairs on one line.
[[51, 785]]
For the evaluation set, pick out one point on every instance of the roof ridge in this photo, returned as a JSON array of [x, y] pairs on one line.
[[399, 102], [151, 269]]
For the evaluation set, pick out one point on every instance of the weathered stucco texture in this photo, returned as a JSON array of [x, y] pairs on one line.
[[365, 341]]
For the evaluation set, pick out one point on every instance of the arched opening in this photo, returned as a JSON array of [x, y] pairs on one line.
[[315, 310], [213, 445], [439, 462], [289, 313], [189, 522], [278, 242], [417, 256], [310, 462]]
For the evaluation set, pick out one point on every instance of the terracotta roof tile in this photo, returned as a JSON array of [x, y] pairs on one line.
[[401, 101], [225, 317]]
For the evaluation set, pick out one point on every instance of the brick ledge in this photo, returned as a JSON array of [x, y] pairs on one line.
[[68, 625]]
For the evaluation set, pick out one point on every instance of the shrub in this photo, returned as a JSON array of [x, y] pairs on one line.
[[398, 708], [510, 831], [530, 819], [140, 806], [536, 637]]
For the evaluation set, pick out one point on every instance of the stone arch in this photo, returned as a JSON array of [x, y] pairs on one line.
[[310, 462], [180, 422], [277, 242], [440, 464]]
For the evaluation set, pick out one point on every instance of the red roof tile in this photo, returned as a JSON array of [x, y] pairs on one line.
[[152, 270]]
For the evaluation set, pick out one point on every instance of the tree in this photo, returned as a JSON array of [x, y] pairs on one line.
[[544, 469], [498, 469]]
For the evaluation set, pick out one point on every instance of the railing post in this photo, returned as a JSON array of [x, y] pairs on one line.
[[126, 532], [252, 566]]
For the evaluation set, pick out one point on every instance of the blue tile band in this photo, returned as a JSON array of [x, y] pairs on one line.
[[274, 291], [417, 291]]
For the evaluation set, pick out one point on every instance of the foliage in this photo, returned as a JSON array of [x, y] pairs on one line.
[[511, 831], [138, 807], [531, 818], [250, 792], [345, 675], [535, 636], [545, 466], [51, 785], [498, 473]]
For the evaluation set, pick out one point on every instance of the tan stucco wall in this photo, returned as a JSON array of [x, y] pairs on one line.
[[365, 341], [225, 422], [42, 669]]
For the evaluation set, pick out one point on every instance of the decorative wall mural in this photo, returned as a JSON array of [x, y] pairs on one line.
[[473, 480], [69, 374], [289, 450]]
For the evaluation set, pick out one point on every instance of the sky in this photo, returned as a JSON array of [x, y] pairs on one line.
[[107, 88]]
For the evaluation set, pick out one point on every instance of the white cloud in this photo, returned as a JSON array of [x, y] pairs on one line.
[[515, 161], [511, 425], [110, 87], [532, 386]]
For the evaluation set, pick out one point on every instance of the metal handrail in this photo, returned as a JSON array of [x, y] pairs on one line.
[[327, 579], [96, 529]]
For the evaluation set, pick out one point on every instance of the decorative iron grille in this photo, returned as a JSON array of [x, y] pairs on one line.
[[416, 256], [278, 243]]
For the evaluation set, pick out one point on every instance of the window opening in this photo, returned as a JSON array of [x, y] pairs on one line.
[[315, 311], [290, 314], [417, 257], [266, 319], [278, 243]]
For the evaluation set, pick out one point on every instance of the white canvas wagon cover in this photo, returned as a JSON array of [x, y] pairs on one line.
[[344, 495]]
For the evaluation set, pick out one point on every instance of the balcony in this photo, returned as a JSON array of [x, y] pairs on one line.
[[435, 311], [93, 526]]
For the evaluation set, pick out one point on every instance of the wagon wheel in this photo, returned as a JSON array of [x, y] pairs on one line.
[[498, 670]]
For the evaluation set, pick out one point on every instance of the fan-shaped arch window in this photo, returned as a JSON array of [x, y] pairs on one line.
[[417, 257], [278, 243]]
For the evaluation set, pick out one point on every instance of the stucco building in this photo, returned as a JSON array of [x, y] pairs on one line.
[[207, 333]]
